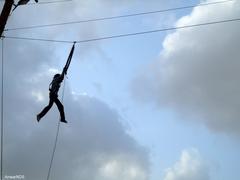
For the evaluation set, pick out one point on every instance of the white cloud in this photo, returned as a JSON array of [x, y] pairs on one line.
[[189, 167], [38, 95], [94, 136], [122, 166], [197, 72]]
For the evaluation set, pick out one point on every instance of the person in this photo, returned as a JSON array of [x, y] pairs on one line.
[[54, 88], [53, 97]]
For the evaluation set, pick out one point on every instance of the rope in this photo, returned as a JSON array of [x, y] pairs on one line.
[[2, 115], [56, 138]]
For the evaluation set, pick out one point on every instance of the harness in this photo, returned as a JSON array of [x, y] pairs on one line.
[[55, 85]]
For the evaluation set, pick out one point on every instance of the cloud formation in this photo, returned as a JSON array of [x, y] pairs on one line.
[[189, 167], [197, 71], [94, 145]]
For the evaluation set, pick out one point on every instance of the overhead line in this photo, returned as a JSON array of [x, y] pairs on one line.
[[49, 2], [37, 39], [44, 2], [125, 35], [117, 17]]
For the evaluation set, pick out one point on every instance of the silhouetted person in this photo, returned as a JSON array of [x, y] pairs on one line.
[[54, 88], [21, 2], [53, 97]]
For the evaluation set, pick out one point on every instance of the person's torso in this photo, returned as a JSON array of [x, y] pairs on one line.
[[55, 85]]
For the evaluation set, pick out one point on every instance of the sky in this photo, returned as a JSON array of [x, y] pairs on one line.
[[159, 106]]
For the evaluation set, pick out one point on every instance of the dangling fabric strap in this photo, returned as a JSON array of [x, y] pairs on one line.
[[69, 60]]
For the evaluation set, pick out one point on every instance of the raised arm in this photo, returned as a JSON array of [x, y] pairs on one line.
[[64, 72]]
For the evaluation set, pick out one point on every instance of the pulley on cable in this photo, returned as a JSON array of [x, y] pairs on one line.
[[54, 88]]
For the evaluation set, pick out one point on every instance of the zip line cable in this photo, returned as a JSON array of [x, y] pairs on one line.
[[2, 110], [37, 39], [118, 17], [125, 35]]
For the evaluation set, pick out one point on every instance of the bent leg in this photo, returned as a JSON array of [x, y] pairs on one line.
[[61, 109], [46, 109]]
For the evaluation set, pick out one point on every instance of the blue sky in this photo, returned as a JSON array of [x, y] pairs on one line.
[[106, 70], [162, 131]]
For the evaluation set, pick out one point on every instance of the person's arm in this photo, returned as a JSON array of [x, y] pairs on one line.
[[62, 75], [64, 72]]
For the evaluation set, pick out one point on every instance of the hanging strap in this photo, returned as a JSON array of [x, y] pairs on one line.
[[68, 60]]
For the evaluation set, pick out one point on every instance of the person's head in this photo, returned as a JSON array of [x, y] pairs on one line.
[[56, 76]]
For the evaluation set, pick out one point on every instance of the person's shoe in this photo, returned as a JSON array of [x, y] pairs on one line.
[[38, 118], [63, 121]]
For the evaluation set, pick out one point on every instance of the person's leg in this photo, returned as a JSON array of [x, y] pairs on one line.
[[46, 109], [61, 110]]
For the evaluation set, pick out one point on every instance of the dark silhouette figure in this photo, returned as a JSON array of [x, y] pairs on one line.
[[53, 97], [21, 2], [53, 91]]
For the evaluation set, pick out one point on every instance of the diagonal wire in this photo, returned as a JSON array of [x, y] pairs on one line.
[[54, 150], [56, 138], [2, 110], [37, 39], [126, 35], [118, 17]]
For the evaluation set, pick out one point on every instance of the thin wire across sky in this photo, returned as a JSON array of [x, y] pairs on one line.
[[116, 17], [126, 35], [210, 23], [45, 2]]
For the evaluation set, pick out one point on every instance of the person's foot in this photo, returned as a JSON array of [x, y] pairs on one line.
[[38, 118], [64, 121]]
